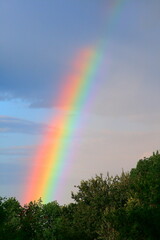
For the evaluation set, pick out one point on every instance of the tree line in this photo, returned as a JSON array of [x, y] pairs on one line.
[[125, 207]]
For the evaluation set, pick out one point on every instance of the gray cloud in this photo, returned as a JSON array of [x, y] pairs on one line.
[[131, 87], [37, 46], [36, 51]]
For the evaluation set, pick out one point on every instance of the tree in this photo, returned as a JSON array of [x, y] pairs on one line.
[[96, 199], [125, 207], [52, 215], [32, 221], [141, 213], [10, 210], [119, 194]]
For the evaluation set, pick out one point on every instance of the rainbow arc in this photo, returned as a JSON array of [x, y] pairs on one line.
[[51, 156]]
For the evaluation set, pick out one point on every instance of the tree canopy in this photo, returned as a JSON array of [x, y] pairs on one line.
[[125, 207]]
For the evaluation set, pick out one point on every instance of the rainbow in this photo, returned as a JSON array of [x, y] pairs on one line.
[[51, 157]]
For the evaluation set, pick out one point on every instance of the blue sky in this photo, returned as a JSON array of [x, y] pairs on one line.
[[38, 41]]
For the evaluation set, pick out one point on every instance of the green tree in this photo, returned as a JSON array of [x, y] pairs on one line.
[[10, 210], [140, 217], [125, 207], [67, 229], [32, 221], [2, 214], [146, 180], [52, 216], [95, 199], [118, 197]]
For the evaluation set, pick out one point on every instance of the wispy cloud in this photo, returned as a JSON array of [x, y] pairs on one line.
[[17, 151], [12, 173], [16, 125]]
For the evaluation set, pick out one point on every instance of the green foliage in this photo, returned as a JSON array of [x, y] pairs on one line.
[[32, 220], [142, 211], [119, 194], [146, 180], [2, 213], [139, 216], [52, 216], [93, 197], [125, 207], [10, 218]]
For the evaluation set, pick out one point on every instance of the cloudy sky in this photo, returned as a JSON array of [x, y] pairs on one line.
[[38, 43]]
